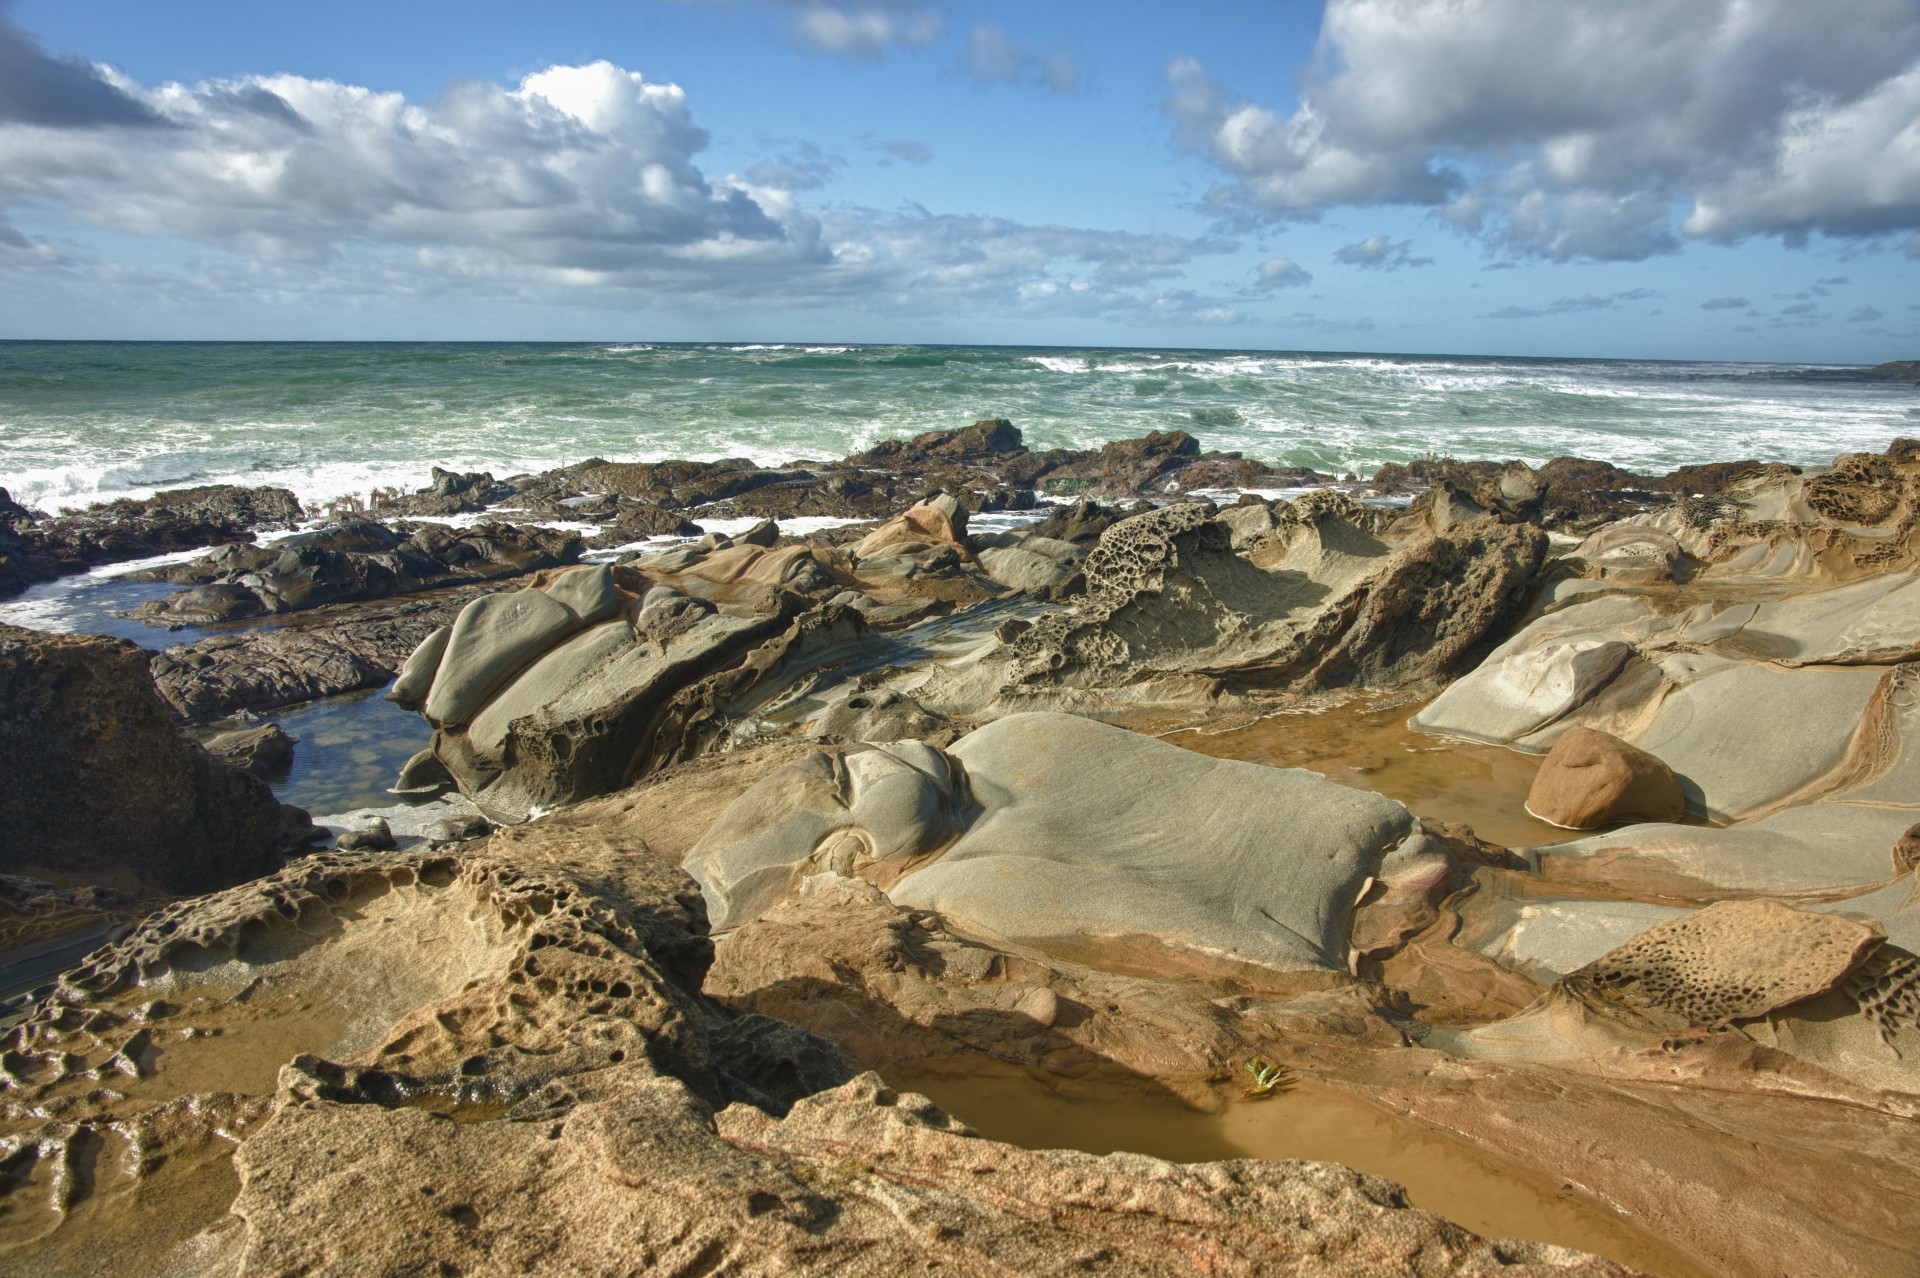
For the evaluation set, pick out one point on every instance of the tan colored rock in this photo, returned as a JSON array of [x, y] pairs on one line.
[[500, 1062], [1592, 778], [1730, 961], [934, 522]]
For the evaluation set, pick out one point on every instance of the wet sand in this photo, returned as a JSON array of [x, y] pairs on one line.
[[1308, 1121]]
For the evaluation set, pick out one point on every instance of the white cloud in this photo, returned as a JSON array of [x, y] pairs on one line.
[[1380, 253], [1599, 129], [577, 187], [993, 55], [1280, 272], [577, 167], [1575, 305], [865, 31]]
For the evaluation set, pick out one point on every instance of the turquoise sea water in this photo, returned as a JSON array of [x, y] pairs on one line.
[[80, 422]]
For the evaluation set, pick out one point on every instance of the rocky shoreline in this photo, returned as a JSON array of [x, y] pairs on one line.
[[729, 821]]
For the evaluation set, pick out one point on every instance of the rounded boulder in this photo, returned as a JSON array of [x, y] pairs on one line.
[[1593, 778]]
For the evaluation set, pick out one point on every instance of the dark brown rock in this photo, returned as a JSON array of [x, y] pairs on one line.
[[348, 563], [41, 549], [345, 648], [98, 785], [637, 520], [1592, 778], [449, 493], [265, 752]]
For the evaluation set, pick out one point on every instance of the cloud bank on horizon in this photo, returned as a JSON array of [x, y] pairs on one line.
[[1585, 136], [1578, 130]]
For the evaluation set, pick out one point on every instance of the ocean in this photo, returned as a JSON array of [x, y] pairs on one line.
[[85, 422]]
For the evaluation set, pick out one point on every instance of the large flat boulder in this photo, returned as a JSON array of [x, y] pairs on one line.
[[1073, 835]]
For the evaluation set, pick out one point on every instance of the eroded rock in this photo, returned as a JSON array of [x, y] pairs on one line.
[[348, 563], [1069, 835], [97, 785]]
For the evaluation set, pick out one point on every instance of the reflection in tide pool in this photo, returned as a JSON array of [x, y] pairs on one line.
[[350, 750], [1307, 1120]]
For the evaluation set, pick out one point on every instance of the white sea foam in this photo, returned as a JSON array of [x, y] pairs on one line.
[[329, 422]]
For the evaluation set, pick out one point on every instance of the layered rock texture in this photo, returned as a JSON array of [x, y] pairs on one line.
[[1761, 650], [500, 1062], [347, 563], [902, 771], [1058, 832]]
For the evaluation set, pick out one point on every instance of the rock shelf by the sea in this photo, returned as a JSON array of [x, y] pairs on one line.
[[778, 809]]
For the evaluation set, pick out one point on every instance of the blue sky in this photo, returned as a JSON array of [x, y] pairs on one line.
[[1718, 179]]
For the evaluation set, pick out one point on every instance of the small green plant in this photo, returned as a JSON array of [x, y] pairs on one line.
[[1268, 1078]]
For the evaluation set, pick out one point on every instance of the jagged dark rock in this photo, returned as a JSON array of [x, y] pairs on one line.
[[35, 549], [348, 563]]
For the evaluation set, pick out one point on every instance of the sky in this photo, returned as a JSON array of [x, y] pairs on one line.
[[1684, 179]]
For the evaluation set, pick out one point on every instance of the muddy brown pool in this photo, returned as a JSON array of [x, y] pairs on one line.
[[1369, 746], [1309, 1121]]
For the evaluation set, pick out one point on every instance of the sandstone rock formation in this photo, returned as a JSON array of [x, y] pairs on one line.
[[1081, 839], [1330, 594], [543, 994], [97, 785], [1773, 680], [1591, 779]]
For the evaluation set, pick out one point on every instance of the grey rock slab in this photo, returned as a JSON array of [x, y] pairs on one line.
[[1873, 620], [588, 593], [493, 637], [416, 676], [1512, 696], [542, 683], [857, 812], [1022, 569], [1090, 832], [1742, 738], [1819, 847], [1064, 552], [585, 740], [1546, 939], [1896, 907]]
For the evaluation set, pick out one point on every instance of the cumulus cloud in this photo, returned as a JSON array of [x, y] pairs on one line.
[[1726, 304], [1575, 305], [576, 168], [1280, 272], [1864, 315], [866, 30], [1590, 129], [1380, 253], [578, 185], [59, 93], [994, 56]]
